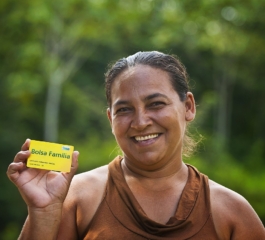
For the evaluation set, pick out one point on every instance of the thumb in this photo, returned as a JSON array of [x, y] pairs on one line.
[[74, 166]]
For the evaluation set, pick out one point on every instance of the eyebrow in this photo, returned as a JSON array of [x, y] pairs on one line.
[[149, 97], [120, 102], [155, 95]]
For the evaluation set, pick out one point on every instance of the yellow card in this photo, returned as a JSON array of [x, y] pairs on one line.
[[50, 156]]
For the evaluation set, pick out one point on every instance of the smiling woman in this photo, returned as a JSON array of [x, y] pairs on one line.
[[169, 64], [144, 103], [148, 192]]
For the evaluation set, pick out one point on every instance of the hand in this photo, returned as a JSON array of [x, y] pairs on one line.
[[39, 188]]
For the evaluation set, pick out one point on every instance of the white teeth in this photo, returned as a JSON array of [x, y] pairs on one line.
[[142, 138]]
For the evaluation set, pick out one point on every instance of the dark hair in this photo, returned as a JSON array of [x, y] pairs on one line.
[[168, 63], [165, 62]]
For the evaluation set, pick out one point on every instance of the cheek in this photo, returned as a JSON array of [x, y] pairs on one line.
[[119, 125], [173, 120], [167, 117]]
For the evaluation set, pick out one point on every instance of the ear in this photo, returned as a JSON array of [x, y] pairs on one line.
[[109, 116], [190, 107]]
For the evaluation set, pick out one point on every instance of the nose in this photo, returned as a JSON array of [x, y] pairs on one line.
[[141, 120]]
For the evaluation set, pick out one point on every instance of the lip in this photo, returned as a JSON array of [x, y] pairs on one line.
[[147, 141]]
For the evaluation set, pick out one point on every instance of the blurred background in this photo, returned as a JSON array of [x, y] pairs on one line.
[[53, 56]]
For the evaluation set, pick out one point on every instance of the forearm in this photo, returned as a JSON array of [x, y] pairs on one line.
[[42, 223]]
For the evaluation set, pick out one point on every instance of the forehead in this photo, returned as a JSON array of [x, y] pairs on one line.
[[141, 80]]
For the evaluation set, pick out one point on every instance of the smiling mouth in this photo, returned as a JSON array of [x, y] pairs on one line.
[[147, 137]]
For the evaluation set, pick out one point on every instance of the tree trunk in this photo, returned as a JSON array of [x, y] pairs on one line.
[[52, 108], [224, 81]]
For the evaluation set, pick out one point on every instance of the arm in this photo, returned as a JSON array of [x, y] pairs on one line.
[[233, 216], [44, 193], [83, 199], [42, 224], [247, 224]]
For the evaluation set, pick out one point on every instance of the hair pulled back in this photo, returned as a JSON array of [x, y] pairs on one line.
[[165, 62]]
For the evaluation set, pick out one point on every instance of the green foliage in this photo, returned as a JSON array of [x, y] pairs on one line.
[[221, 43]]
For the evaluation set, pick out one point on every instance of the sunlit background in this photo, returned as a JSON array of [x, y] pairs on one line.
[[53, 56]]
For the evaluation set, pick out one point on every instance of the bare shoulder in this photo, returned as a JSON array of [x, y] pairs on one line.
[[87, 190], [85, 195], [233, 216], [89, 183]]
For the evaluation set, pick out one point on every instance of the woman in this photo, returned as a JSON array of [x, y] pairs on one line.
[[148, 193]]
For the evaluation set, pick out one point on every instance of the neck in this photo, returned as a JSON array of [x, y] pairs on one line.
[[171, 167], [159, 179]]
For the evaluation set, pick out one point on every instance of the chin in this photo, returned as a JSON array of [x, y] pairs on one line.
[[149, 160]]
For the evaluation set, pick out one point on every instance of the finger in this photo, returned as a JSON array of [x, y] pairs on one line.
[[74, 166], [14, 169], [22, 156], [26, 145]]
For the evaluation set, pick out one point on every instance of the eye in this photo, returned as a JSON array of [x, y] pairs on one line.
[[157, 104], [122, 110]]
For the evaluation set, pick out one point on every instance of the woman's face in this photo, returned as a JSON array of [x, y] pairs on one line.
[[147, 117]]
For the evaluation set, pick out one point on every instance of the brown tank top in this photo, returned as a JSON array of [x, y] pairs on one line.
[[120, 216]]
